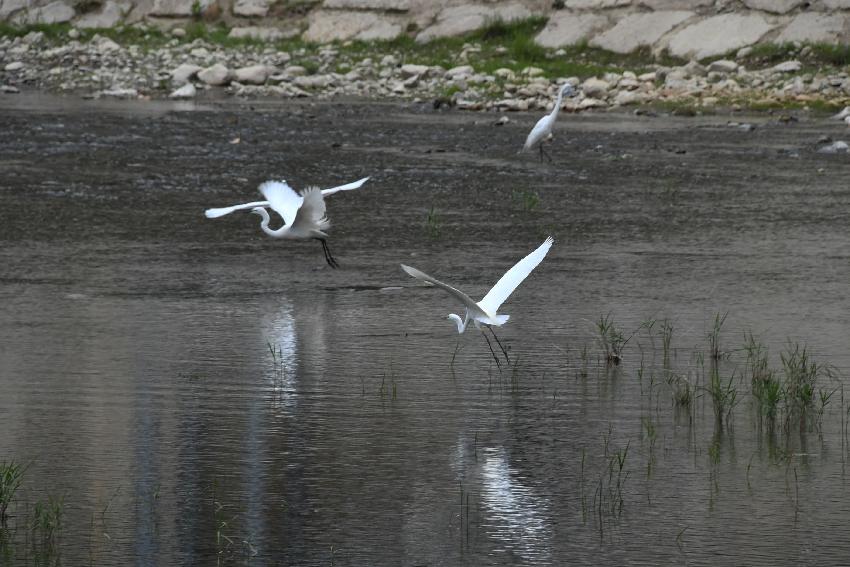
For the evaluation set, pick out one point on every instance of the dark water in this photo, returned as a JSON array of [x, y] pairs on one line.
[[138, 385]]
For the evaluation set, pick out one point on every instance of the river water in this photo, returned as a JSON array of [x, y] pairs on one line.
[[189, 391]]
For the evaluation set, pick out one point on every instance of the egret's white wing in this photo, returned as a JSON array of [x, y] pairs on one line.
[[282, 198], [543, 127], [347, 187], [465, 299], [513, 277], [311, 214], [215, 213]]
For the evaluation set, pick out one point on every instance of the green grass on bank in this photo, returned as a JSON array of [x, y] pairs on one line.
[[496, 45]]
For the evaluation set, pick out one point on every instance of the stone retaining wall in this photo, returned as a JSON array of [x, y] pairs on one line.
[[686, 28]]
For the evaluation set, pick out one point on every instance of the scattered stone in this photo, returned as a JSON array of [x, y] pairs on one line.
[[74, 33], [788, 67], [9, 89], [264, 34], [217, 75], [184, 73], [722, 66], [595, 88], [118, 92], [253, 74], [837, 147], [843, 114], [411, 70], [186, 91], [502, 121], [180, 32], [14, 66]]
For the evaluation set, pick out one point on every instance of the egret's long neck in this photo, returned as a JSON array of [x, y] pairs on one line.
[[554, 113], [461, 323], [265, 225]]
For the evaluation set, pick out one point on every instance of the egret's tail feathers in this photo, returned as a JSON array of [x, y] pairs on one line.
[[501, 319]]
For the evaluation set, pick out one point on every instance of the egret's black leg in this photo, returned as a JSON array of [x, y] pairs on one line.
[[507, 358], [327, 251], [540, 147], [489, 344], [544, 153]]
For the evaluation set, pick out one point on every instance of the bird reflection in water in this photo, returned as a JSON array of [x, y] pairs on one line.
[[515, 514], [278, 328]]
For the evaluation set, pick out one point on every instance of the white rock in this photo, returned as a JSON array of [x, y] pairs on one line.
[[53, 13], [9, 7], [184, 73], [458, 20], [591, 103], [295, 71], [719, 34], [775, 6], [105, 45], [648, 77], [567, 28], [722, 66], [253, 74], [179, 7], [638, 30], [118, 92], [836, 147], [814, 28], [460, 72], [109, 16], [251, 8], [186, 91], [216, 75], [179, 32], [595, 88], [265, 34], [329, 25], [14, 66], [788, 67], [410, 70]]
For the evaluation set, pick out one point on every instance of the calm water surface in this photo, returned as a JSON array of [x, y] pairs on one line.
[[136, 338]]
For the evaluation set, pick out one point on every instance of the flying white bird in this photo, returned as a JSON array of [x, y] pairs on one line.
[[486, 311], [215, 213], [303, 215], [543, 129]]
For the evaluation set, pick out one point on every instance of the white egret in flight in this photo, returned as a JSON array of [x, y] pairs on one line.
[[303, 215], [215, 213], [543, 129], [485, 312]]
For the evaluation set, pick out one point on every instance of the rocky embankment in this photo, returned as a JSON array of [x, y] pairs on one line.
[[181, 69]]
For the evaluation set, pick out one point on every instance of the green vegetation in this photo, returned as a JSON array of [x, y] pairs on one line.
[[11, 475]]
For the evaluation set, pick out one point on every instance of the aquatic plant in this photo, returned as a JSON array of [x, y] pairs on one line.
[[527, 198], [11, 475], [723, 393], [432, 223], [714, 336], [666, 332], [611, 339]]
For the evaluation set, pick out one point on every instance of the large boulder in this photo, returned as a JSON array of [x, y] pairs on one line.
[[109, 16], [566, 28], [459, 20], [815, 28], [53, 13], [329, 25], [717, 35], [182, 8], [638, 30]]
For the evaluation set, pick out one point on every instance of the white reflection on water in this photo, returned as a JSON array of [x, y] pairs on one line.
[[514, 514], [278, 330]]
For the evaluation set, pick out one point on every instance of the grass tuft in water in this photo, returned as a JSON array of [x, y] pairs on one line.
[[432, 223], [11, 476], [714, 336], [611, 339], [528, 198]]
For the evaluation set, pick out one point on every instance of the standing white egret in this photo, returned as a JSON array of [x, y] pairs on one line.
[[543, 129], [485, 312], [215, 213]]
